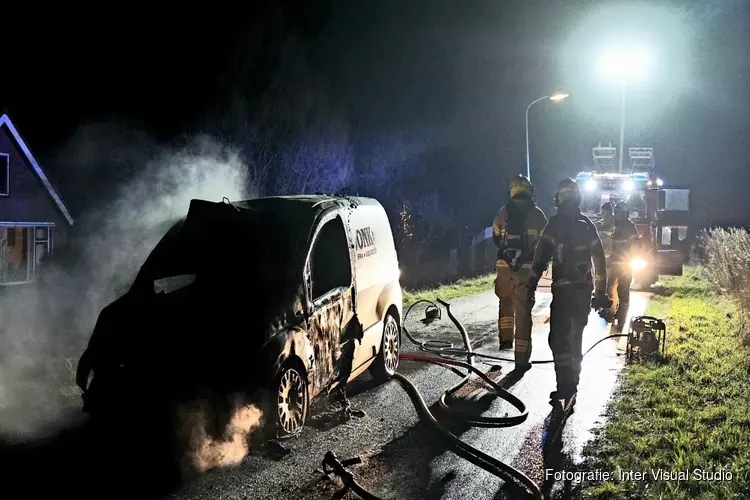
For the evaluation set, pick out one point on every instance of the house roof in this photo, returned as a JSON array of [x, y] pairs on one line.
[[5, 120]]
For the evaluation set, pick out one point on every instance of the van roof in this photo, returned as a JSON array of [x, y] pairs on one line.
[[293, 207], [297, 212]]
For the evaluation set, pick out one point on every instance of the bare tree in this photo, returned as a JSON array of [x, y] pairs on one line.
[[391, 165], [299, 139], [423, 219], [319, 159]]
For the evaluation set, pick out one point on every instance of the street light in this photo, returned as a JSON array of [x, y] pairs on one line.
[[554, 97], [625, 64]]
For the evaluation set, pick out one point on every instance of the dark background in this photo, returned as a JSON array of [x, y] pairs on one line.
[[453, 77]]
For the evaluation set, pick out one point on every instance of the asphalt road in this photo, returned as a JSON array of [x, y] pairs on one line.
[[404, 458]]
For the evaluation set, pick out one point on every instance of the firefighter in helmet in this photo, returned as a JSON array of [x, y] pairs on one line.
[[625, 243], [515, 231], [606, 226], [571, 241]]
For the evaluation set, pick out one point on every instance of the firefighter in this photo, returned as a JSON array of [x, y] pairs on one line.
[[571, 241], [515, 231], [606, 227], [625, 242]]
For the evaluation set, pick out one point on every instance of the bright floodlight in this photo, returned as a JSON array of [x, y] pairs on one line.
[[628, 186], [590, 185], [626, 63], [637, 264], [558, 97]]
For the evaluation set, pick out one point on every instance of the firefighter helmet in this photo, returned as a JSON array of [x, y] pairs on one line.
[[521, 185], [621, 210], [567, 190], [608, 208]]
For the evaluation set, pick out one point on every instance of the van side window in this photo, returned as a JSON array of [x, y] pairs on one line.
[[330, 259]]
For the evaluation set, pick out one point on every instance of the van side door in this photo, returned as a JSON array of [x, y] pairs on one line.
[[329, 290]]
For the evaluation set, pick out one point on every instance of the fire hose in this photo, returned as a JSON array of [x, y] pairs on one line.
[[445, 353]]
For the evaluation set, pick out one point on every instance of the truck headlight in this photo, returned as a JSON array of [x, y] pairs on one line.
[[590, 185], [637, 264]]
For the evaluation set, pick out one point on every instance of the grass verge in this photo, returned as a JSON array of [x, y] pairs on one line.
[[688, 412], [460, 288]]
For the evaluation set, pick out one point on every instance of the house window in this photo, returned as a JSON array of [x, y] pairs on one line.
[[41, 243], [4, 174], [14, 254], [22, 248]]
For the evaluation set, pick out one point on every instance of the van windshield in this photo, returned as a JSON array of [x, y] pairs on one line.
[[226, 254]]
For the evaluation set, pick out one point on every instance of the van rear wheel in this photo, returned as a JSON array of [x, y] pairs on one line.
[[386, 363]]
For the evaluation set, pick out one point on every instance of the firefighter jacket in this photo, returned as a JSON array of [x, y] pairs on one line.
[[516, 231], [571, 241], [606, 230], [625, 241]]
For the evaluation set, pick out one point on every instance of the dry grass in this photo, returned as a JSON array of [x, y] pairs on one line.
[[727, 267], [460, 288], [690, 411]]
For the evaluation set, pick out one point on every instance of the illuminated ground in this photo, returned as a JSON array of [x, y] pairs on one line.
[[404, 458]]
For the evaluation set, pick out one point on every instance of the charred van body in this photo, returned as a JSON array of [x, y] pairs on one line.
[[251, 296]]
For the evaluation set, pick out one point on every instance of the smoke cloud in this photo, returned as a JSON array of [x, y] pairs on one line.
[[205, 452], [45, 327]]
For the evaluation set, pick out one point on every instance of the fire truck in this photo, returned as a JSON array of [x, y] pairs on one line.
[[661, 212]]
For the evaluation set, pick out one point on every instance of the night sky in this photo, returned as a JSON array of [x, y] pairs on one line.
[[452, 77]]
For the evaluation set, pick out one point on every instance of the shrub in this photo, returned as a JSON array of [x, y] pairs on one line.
[[726, 259]]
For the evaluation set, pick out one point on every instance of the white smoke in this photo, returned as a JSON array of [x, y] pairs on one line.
[[44, 327], [204, 452]]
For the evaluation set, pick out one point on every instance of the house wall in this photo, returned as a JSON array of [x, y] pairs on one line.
[[28, 199]]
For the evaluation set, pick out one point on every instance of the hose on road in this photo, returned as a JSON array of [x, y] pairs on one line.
[[445, 354], [447, 350]]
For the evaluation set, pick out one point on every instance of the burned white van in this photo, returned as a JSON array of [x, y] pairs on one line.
[[252, 295]]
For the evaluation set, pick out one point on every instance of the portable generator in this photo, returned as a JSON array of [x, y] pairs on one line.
[[647, 335]]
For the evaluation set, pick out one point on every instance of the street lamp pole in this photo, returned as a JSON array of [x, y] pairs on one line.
[[553, 97], [528, 161], [622, 123]]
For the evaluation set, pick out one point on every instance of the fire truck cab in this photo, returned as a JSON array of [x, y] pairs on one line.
[[660, 212]]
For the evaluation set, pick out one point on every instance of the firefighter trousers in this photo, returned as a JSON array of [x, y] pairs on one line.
[[569, 315], [618, 287], [514, 315]]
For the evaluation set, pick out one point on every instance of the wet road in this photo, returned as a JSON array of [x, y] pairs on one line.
[[404, 458]]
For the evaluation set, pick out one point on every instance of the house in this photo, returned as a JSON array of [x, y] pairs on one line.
[[33, 218]]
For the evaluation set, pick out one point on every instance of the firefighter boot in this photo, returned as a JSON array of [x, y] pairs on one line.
[[608, 315], [565, 404]]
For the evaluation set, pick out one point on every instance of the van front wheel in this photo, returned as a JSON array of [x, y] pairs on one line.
[[386, 363], [291, 400]]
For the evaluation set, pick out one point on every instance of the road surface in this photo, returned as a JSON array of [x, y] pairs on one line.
[[404, 458]]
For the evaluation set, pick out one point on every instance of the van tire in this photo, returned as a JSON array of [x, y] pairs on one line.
[[387, 360], [291, 401]]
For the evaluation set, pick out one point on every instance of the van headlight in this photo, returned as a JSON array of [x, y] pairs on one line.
[[637, 264]]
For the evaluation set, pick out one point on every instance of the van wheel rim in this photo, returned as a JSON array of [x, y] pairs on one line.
[[291, 401], [390, 341]]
